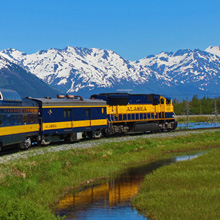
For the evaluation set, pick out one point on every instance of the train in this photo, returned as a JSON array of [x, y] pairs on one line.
[[25, 121]]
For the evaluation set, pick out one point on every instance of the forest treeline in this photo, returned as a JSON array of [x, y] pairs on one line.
[[197, 106]]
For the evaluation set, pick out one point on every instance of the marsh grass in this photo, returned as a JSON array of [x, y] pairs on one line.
[[30, 187], [184, 190]]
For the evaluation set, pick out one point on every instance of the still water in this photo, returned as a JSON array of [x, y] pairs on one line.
[[198, 125], [110, 199]]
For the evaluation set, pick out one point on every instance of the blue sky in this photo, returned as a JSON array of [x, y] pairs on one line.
[[132, 28]]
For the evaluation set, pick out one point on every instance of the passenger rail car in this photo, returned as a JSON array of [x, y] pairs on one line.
[[18, 120], [70, 118], [138, 112]]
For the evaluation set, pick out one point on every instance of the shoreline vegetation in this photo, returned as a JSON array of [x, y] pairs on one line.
[[31, 186], [184, 190], [197, 118]]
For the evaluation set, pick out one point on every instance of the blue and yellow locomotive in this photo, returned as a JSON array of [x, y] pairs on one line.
[[138, 112]]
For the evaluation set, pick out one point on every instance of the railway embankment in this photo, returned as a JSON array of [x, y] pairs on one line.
[[32, 181]]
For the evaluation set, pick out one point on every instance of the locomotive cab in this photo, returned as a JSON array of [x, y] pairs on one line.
[[167, 114]]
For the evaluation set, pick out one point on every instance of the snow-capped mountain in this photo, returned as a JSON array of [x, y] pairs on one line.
[[73, 69], [13, 76], [87, 71], [188, 68]]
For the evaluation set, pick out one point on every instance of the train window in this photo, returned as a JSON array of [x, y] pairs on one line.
[[19, 119], [1, 120], [67, 113], [15, 119], [162, 101], [8, 120], [35, 118], [31, 119], [167, 101], [25, 119]]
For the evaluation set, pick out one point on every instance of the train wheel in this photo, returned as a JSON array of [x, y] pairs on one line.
[[97, 134], [45, 140], [25, 144]]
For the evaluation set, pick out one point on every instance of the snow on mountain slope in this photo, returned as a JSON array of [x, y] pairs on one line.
[[17, 78], [214, 50], [192, 67], [75, 69], [4, 63]]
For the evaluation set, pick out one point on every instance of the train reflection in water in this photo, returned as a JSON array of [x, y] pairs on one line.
[[111, 195]]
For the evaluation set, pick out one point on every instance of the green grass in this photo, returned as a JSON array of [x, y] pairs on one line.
[[29, 187], [185, 190]]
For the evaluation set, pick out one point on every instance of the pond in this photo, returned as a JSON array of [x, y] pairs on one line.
[[110, 199], [198, 125]]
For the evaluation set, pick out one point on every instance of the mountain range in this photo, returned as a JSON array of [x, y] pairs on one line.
[[13, 76], [86, 71]]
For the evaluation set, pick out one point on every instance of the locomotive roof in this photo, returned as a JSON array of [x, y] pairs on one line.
[[126, 98], [127, 94], [118, 94], [69, 102]]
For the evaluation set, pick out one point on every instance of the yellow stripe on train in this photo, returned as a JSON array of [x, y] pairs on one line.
[[75, 106], [135, 109], [73, 124], [18, 129]]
